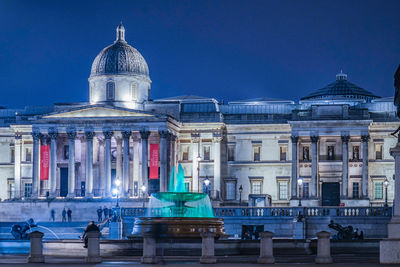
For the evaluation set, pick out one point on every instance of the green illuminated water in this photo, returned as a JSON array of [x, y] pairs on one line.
[[177, 202]]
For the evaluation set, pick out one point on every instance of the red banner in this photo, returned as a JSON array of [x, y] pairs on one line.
[[44, 162], [153, 161]]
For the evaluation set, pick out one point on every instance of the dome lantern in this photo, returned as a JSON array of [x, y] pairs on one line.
[[120, 33]]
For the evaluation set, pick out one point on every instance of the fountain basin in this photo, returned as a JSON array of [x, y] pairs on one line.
[[178, 227]]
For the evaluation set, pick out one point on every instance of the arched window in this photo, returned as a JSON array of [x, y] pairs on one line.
[[133, 91], [110, 93]]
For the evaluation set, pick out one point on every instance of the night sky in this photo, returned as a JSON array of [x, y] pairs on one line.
[[228, 50]]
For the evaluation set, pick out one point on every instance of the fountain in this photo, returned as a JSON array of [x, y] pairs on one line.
[[178, 213]]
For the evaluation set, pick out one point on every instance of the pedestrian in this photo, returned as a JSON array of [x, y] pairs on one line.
[[105, 210], [69, 213], [64, 215], [99, 214], [53, 215], [110, 213], [90, 228]]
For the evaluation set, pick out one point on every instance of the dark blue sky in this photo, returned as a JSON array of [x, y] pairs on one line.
[[225, 49]]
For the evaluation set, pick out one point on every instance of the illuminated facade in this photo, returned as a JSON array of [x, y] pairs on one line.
[[337, 139]]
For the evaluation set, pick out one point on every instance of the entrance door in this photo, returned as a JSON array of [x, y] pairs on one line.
[[63, 182], [330, 194]]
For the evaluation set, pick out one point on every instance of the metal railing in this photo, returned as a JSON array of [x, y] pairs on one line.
[[280, 212]]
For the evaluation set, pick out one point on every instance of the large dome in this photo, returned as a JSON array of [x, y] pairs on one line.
[[119, 59], [341, 88]]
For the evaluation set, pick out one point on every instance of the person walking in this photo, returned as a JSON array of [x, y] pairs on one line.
[[53, 215], [99, 214], [69, 213], [64, 215], [105, 210]]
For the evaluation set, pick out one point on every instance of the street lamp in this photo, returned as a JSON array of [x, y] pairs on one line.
[[300, 182], [386, 184], [143, 189], [115, 191], [206, 183], [240, 195]]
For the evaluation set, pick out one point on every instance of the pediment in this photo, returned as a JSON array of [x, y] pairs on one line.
[[97, 112]]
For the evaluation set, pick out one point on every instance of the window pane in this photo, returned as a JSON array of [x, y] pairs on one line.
[[331, 152], [356, 190], [378, 190], [206, 153], [378, 151], [256, 152], [231, 153], [283, 190], [230, 191], [256, 187], [283, 153], [306, 190]]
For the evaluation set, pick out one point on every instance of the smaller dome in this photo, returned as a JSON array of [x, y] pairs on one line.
[[341, 88], [119, 59]]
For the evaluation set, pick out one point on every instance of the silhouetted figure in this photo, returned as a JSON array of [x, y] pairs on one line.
[[361, 236], [90, 228], [64, 215], [53, 215], [105, 210], [69, 213], [110, 213], [99, 214]]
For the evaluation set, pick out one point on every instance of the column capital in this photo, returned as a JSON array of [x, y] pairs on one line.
[[294, 138], [71, 133], [17, 136], [314, 138], [172, 137], [144, 134], [36, 135], [126, 134], [89, 134], [163, 133], [365, 138], [108, 133], [345, 138], [217, 137], [53, 133]]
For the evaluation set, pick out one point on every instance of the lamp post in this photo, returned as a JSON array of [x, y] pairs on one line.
[[206, 183], [240, 195], [143, 189], [300, 182], [386, 184], [116, 190], [198, 166]]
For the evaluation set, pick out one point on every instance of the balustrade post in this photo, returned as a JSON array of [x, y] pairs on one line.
[[149, 249], [36, 249], [323, 248], [93, 252], [208, 248], [266, 248]]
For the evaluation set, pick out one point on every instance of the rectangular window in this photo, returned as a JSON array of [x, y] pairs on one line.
[[230, 191], [306, 153], [185, 153], [283, 190], [28, 190], [206, 152], [256, 187], [283, 152], [133, 92], [12, 156], [28, 155], [231, 152], [356, 152], [378, 151], [110, 93], [256, 153], [356, 190], [378, 190], [331, 152], [306, 190], [66, 152]]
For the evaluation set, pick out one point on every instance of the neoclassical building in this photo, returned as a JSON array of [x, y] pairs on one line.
[[336, 139]]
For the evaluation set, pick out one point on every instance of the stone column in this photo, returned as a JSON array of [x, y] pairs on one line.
[[295, 139], [89, 163], [71, 162], [323, 248], [101, 164], [36, 249], [314, 168], [364, 140], [266, 248], [217, 164], [17, 165], [144, 134], [149, 249], [136, 171], [53, 162], [389, 251], [93, 251], [195, 162], [35, 164], [125, 170], [163, 160], [207, 248], [119, 166], [345, 164], [107, 158]]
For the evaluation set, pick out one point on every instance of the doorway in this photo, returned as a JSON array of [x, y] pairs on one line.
[[63, 182], [330, 194]]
